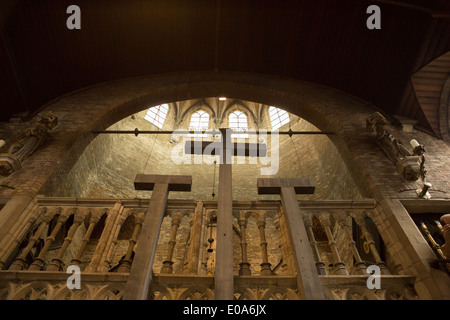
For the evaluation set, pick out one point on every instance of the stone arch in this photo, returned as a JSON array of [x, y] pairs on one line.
[[196, 293], [245, 109], [245, 294], [115, 101], [199, 105], [276, 293]]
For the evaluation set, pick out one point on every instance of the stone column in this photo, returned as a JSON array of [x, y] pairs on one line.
[[112, 243], [265, 265], [57, 263], [168, 263], [339, 265], [110, 223], [360, 265], [87, 236], [39, 262], [125, 265], [244, 269], [320, 265], [19, 262]]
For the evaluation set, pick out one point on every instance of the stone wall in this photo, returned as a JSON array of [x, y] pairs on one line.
[[60, 168], [108, 166], [101, 107]]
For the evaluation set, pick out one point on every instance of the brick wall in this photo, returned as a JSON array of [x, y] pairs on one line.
[[347, 165]]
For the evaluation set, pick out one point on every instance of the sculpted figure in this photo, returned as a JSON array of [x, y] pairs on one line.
[[409, 165], [27, 145]]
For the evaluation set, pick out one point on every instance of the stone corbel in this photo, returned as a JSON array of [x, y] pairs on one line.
[[410, 165], [21, 150]]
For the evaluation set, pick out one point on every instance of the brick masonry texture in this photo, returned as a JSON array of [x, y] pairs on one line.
[[99, 108], [347, 165]]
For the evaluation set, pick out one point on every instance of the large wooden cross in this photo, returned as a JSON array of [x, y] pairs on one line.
[[308, 281], [223, 275], [140, 275]]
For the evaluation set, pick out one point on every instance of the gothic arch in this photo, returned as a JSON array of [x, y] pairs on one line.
[[323, 107], [199, 105], [229, 109]]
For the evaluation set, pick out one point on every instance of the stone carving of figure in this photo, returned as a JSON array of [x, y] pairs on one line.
[[28, 144], [445, 222], [409, 165]]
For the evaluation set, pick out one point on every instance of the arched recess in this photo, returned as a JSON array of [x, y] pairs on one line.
[[229, 108], [99, 107], [200, 105]]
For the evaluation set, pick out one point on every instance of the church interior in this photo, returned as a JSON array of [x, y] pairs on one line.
[[225, 150]]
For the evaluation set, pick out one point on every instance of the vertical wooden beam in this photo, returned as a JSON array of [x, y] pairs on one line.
[[141, 270], [308, 280], [224, 281]]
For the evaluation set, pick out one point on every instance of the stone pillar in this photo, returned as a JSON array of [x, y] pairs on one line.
[[94, 219], [125, 265], [339, 265], [168, 263], [57, 263], [112, 243], [244, 269], [39, 262], [265, 265], [105, 238], [360, 266], [320, 265], [19, 262]]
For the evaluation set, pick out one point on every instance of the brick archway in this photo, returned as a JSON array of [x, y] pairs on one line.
[[98, 107]]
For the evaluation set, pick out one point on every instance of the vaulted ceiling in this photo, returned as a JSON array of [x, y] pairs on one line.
[[321, 41]]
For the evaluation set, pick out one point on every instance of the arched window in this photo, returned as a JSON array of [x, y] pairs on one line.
[[157, 115], [237, 121], [199, 123], [278, 117]]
